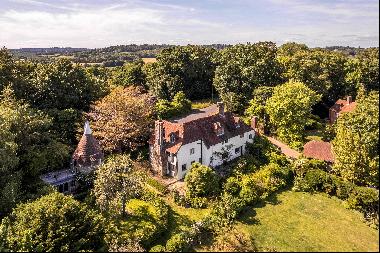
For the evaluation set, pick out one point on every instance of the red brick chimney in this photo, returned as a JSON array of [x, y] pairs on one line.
[[159, 134], [254, 122], [220, 108], [349, 100]]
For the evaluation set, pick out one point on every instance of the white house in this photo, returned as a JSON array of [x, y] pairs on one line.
[[210, 137]]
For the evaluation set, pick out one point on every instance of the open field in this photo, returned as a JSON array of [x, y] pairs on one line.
[[296, 221], [149, 60]]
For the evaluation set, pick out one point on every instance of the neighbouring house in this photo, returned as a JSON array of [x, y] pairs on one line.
[[211, 136], [320, 150], [341, 106], [87, 156]]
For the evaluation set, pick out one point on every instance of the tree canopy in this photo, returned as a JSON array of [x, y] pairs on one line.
[[289, 110], [242, 68], [53, 223], [356, 143], [123, 119]]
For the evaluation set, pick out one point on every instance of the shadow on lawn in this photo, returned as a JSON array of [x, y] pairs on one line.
[[249, 213]]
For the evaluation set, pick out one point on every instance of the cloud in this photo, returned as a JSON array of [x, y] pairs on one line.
[[99, 23]]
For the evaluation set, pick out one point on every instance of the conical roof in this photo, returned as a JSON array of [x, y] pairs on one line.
[[88, 151]]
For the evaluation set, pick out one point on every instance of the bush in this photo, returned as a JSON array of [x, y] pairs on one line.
[[365, 200], [180, 242], [157, 185], [314, 180], [198, 202], [232, 186], [261, 149], [179, 199], [201, 181], [158, 248]]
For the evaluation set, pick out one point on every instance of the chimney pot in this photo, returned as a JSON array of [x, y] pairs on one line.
[[220, 108], [254, 122], [349, 100]]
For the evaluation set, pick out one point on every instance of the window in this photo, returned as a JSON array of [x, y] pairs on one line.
[[73, 183], [200, 160], [192, 151], [66, 187], [250, 136], [225, 141], [172, 138], [237, 150], [183, 167]]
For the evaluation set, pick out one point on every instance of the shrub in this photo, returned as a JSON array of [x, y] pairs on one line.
[[232, 186], [250, 191], [342, 188], [271, 178], [178, 198], [366, 200], [314, 180], [158, 248], [225, 211], [157, 185], [232, 240], [201, 181], [180, 242], [260, 149], [198, 202]]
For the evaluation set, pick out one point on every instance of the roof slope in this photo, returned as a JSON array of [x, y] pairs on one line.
[[320, 150], [190, 129]]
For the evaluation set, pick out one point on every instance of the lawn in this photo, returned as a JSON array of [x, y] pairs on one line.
[[203, 103], [296, 221]]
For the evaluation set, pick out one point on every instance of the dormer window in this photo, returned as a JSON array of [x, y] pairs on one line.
[[172, 137], [219, 130], [237, 124]]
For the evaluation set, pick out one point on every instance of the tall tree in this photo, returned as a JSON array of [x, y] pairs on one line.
[[356, 143], [130, 74], [117, 181], [289, 110], [189, 69], [27, 148], [242, 68], [123, 119]]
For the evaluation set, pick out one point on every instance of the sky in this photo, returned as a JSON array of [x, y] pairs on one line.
[[101, 23]]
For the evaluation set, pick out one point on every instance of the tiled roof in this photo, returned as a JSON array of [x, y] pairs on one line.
[[202, 128], [318, 150], [88, 150], [342, 106]]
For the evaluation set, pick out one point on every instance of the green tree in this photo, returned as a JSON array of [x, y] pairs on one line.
[[364, 69], [201, 181], [291, 48], [357, 141], [179, 106], [242, 68], [257, 105], [117, 181], [53, 223], [189, 69], [7, 68], [130, 74], [289, 110], [27, 148], [320, 70]]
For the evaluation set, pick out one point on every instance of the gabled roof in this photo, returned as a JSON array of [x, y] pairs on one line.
[[320, 150], [202, 128], [88, 150]]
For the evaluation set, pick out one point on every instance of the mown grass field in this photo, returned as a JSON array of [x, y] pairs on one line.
[[296, 221]]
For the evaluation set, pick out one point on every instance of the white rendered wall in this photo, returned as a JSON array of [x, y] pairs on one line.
[[184, 156]]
